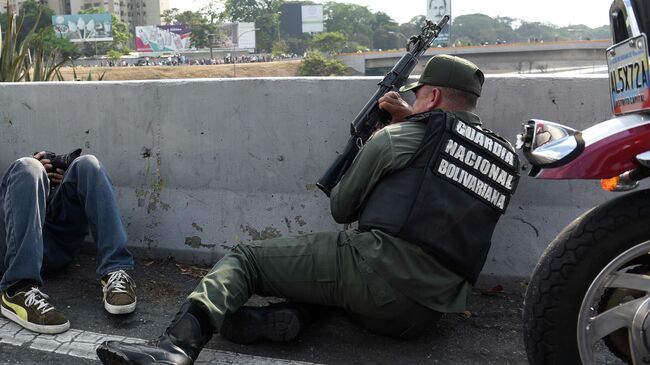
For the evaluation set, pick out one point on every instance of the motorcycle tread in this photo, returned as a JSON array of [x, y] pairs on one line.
[[551, 288]]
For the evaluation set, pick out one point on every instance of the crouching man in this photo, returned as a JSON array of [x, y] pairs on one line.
[[427, 192]]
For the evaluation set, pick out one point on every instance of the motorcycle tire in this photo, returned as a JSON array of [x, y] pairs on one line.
[[567, 268]]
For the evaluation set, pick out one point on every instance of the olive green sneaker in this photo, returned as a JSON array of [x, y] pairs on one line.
[[119, 292], [30, 308]]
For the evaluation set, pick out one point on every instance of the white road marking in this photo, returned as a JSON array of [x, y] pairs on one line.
[[82, 344]]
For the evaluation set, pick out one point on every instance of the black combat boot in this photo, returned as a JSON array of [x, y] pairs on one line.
[[279, 322], [180, 344]]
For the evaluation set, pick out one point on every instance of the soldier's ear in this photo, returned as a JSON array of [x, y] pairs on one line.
[[434, 98]]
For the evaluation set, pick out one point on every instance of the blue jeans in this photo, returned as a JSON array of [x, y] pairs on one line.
[[41, 231]]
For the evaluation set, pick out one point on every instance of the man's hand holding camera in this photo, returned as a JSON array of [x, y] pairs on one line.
[[55, 175]]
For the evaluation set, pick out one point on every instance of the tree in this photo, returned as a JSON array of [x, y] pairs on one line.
[[169, 16], [200, 26], [537, 32], [316, 64], [601, 32], [329, 42], [413, 26], [189, 17], [354, 21], [114, 55], [213, 11], [279, 48], [264, 13], [479, 28], [121, 35], [297, 45], [52, 43], [386, 32], [204, 34], [39, 17], [26, 60], [36, 15]]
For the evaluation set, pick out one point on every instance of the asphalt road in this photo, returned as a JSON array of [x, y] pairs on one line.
[[489, 333]]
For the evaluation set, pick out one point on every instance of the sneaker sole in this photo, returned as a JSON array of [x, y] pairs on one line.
[[120, 309], [39, 328], [248, 326]]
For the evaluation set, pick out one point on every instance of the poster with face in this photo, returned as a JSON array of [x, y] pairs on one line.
[[436, 9]]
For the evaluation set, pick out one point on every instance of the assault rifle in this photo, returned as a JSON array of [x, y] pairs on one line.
[[370, 116]]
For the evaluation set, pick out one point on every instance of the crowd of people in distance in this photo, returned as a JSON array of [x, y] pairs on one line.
[[180, 60]]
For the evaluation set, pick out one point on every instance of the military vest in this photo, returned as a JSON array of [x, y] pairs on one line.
[[451, 194]]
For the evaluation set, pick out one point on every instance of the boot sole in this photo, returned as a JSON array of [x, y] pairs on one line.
[[108, 357], [112, 357], [251, 324], [38, 328]]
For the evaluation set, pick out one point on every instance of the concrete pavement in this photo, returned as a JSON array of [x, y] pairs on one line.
[[489, 333]]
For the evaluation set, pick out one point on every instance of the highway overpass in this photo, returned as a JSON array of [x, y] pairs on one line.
[[505, 58]]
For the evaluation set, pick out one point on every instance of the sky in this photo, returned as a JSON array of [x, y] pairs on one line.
[[593, 13]]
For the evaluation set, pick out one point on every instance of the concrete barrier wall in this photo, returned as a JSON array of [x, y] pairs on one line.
[[200, 165]]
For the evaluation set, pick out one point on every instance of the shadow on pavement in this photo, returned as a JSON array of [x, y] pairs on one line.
[[489, 333]]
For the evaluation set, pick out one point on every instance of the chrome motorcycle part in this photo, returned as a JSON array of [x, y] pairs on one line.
[[618, 342], [631, 315], [623, 23], [546, 144], [604, 150], [644, 159]]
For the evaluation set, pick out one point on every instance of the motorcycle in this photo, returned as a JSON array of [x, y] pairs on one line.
[[588, 300]]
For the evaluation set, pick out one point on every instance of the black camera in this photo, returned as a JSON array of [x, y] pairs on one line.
[[62, 161]]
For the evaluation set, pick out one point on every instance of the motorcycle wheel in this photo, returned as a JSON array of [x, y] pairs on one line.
[[600, 257]]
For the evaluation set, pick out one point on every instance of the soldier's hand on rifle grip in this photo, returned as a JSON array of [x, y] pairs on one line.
[[393, 103]]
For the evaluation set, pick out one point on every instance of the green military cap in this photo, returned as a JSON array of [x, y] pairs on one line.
[[452, 72]]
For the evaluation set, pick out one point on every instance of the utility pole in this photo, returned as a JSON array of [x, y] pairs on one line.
[[211, 40], [234, 61]]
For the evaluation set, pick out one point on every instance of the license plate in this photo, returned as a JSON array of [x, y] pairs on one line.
[[628, 75]]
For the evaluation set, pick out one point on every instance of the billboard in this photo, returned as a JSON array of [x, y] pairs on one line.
[[312, 18], [235, 35], [291, 20], [84, 27], [436, 10], [162, 38]]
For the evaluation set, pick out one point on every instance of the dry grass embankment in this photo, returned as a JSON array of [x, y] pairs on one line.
[[263, 69]]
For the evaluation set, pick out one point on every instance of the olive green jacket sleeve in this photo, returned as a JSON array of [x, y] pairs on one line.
[[386, 152], [373, 162]]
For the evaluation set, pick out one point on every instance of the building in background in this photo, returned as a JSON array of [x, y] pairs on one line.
[[76, 6], [133, 12], [60, 7], [145, 12], [15, 4]]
